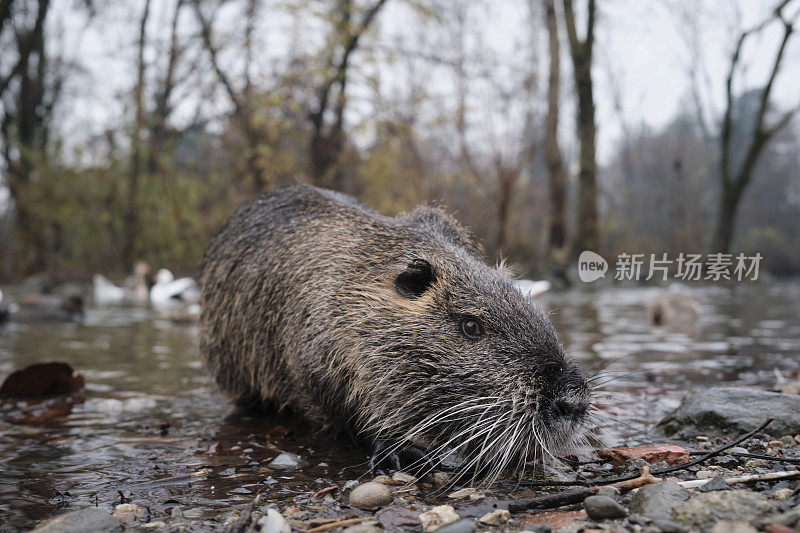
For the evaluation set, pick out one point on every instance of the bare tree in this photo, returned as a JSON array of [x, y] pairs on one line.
[[137, 156], [736, 171], [327, 139], [29, 91], [588, 227], [552, 151], [242, 99]]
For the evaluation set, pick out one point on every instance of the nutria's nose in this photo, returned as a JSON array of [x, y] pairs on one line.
[[569, 408]]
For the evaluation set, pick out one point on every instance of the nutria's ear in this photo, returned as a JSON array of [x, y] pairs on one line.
[[415, 279]]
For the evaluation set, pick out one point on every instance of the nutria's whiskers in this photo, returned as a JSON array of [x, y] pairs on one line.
[[392, 330]]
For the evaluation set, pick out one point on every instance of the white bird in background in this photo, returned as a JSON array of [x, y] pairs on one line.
[[168, 291], [531, 288], [105, 292], [135, 290]]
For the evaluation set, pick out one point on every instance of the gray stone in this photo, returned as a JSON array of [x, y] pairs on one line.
[[717, 483], [611, 492], [88, 520], [656, 501], [731, 411], [602, 507], [705, 510], [668, 526], [724, 526], [288, 462], [370, 495], [460, 526], [364, 527], [537, 528]]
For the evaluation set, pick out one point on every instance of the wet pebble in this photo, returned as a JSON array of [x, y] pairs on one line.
[[273, 522], [364, 527], [602, 507], [370, 495], [437, 517], [656, 501], [495, 518], [441, 478], [402, 477], [128, 513], [725, 526], [705, 509], [459, 526], [86, 520], [610, 492], [668, 526], [288, 462]]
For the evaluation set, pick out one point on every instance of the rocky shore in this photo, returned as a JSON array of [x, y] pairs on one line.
[[752, 486]]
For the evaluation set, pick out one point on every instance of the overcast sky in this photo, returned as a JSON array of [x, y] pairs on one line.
[[642, 54]]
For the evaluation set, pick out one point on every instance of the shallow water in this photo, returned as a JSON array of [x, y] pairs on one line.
[[151, 420]]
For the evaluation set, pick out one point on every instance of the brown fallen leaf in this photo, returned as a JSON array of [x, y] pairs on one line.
[[673, 455], [41, 379]]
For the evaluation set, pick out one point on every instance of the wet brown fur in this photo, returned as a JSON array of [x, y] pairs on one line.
[[301, 310]]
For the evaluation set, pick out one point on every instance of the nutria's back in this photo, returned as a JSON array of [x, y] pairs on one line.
[[391, 329]]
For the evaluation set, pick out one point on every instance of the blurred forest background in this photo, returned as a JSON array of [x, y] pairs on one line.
[[130, 130]]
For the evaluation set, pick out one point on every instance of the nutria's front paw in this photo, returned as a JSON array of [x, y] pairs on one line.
[[408, 458]]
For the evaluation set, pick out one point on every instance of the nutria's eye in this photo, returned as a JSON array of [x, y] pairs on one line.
[[471, 328]]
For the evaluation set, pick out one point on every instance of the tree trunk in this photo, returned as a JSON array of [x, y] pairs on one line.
[[588, 226], [552, 152], [132, 213], [729, 203]]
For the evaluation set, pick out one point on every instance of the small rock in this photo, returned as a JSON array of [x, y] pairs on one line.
[[351, 484], [441, 478], [273, 522], [128, 513], [402, 477], [386, 480], [788, 441], [370, 495], [717, 483], [725, 526], [778, 445], [609, 492], [778, 528], [637, 519], [460, 526], [177, 512], [437, 517], [705, 474], [154, 523], [706, 509], [668, 526], [783, 494], [656, 501], [797, 438], [364, 527], [738, 449], [732, 411], [495, 518], [288, 462], [537, 528], [88, 520], [463, 493], [602, 507], [673, 455]]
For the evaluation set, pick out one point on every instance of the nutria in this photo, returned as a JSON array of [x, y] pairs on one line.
[[673, 308], [392, 330]]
